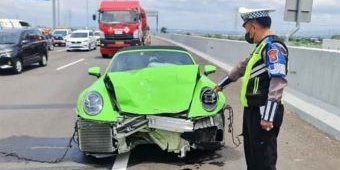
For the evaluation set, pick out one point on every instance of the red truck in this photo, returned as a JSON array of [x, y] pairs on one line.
[[122, 24]]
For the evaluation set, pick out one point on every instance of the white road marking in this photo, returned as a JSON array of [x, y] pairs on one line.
[[61, 50], [121, 161], [67, 65], [48, 147]]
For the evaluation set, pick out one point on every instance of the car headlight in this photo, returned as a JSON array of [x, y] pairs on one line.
[[136, 34], [6, 53], [208, 99], [86, 41], [93, 103]]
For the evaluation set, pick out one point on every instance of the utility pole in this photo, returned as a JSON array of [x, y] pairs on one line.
[[87, 14], [53, 14], [58, 13], [69, 17]]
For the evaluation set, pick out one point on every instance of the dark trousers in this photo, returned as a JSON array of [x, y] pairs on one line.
[[260, 146]]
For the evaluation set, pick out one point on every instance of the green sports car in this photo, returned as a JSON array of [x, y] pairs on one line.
[[150, 95]]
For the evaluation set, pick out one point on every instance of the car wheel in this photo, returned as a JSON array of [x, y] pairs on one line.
[[43, 61], [18, 66], [51, 48], [105, 55]]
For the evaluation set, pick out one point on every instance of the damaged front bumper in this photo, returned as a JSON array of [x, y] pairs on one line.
[[172, 134]]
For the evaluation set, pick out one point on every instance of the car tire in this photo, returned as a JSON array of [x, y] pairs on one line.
[[18, 66], [105, 56], [43, 61], [51, 48]]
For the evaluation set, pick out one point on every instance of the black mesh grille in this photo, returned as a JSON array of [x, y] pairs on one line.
[[95, 137]]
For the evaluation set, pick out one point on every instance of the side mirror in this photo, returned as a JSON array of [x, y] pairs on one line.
[[94, 71], [25, 41], [208, 69], [94, 17]]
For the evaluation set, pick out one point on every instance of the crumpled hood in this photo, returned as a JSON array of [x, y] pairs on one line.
[[166, 89]]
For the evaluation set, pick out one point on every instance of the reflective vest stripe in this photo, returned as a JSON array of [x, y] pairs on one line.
[[258, 73], [256, 85], [256, 56], [261, 66]]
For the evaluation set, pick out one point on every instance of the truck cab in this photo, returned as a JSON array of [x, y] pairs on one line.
[[122, 24]]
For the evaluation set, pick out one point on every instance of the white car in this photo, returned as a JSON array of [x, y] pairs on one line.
[[81, 40], [97, 34]]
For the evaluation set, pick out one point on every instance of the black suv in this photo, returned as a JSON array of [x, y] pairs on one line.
[[21, 47]]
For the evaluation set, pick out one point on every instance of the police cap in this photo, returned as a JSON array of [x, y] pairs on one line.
[[251, 14]]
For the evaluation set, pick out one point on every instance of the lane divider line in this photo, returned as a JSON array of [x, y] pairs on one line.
[[70, 64], [61, 50], [121, 161]]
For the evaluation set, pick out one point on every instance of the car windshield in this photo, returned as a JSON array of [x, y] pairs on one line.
[[137, 60], [97, 33], [9, 37], [116, 17], [60, 33], [79, 35]]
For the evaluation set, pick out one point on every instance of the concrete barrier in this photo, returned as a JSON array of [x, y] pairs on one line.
[[314, 76], [331, 44]]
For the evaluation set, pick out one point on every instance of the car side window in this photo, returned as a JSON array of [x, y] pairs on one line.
[[91, 34], [28, 36], [38, 35]]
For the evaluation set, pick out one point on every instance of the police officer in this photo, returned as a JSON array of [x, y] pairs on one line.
[[263, 82]]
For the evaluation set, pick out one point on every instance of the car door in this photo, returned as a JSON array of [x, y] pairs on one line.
[[27, 50], [40, 46]]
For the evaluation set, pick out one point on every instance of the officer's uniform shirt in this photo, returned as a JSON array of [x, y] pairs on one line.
[[277, 83], [274, 61]]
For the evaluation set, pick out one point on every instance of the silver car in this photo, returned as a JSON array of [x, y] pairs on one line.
[[81, 40]]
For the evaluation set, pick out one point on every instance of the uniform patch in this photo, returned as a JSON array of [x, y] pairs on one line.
[[273, 55]]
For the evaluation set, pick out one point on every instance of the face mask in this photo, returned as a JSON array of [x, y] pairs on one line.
[[248, 39]]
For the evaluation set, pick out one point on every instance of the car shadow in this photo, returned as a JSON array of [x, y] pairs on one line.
[[101, 58], [6, 72], [196, 158], [78, 51], [9, 72]]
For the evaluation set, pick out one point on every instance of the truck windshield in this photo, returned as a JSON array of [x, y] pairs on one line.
[[117, 17]]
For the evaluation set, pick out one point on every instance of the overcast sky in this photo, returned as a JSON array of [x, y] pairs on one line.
[[214, 15]]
